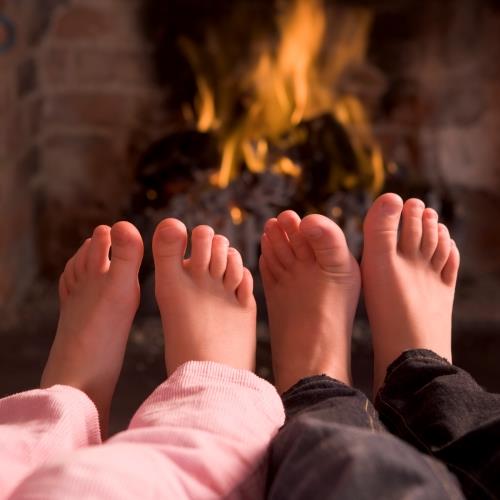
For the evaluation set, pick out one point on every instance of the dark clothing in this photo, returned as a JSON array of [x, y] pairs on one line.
[[443, 412], [334, 444]]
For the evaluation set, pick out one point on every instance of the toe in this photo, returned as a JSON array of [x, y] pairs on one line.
[[81, 259], [201, 248], [272, 263], [127, 250], [63, 290], [381, 224], [218, 262], [169, 245], [411, 231], [98, 256], [289, 222], [279, 241], [245, 289], [443, 248], [69, 275], [326, 240], [429, 233], [450, 270], [267, 276], [234, 270]]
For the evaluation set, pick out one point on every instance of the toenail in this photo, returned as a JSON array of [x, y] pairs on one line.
[[314, 232], [101, 230], [416, 203], [222, 239], [168, 233], [390, 208], [120, 236]]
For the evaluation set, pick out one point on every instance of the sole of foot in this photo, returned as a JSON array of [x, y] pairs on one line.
[[409, 269], [99, 297], [312, 285], [206, 302]]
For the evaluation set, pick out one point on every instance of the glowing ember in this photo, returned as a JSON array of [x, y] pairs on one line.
[[236, 215]]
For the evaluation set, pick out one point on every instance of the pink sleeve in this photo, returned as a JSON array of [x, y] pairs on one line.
[[40, 425], [203, 433]]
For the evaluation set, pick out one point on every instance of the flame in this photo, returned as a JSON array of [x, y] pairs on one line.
[[287, 167], [290, 81], [236, 215]]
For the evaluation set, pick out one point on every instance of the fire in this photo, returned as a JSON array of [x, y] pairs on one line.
[[289, 81], [236, 215]]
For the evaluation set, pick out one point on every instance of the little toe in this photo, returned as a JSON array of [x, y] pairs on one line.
[[327, 241], [169, 245], [201, 248], [411, 231], [245, 289], [234, 270], [63, 290], [442, 250], [272, 262], [450, 270], [81, 259], [279, 241], [289, 222], [127, 250], [429, 233], [69, 274], [381, 224], [98, 253], [218, 262]]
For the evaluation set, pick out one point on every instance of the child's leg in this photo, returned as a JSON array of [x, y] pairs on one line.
[[205, 431], [333, 444], [312, 285], [409, 284], [98, 301], [409, 280], [99, 298], [41, 425]]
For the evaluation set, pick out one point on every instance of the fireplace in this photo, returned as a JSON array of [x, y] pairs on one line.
[[226, 113]]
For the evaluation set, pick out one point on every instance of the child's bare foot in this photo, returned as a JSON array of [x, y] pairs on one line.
[[206, 302], [99, 299], [408, 281], [312, 284]]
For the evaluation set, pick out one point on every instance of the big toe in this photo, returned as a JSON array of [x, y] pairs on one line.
[[169, 245], [381, 224], [127, 250], [327, 241]]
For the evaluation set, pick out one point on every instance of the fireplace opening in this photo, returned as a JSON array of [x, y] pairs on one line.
[[273, 107], [225, 113]]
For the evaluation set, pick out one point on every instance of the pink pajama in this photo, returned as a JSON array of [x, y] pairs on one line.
[[202, 434]]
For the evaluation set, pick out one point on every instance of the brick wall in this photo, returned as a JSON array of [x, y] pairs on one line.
[[72, 87], [441, 59], [19, 105]]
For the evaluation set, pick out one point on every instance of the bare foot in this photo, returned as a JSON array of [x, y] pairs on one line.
[[99, 299], [312, 283], [408, 281], [206, 302]]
